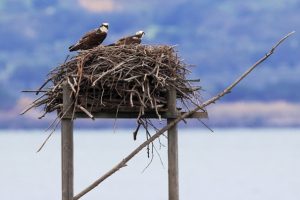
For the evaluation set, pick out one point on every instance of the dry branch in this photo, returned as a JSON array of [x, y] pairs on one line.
[[165, 128]]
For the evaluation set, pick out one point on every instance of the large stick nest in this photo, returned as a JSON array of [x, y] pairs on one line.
[[119, 78]]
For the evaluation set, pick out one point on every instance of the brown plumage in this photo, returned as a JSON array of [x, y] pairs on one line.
[[130, 40], [91, 39]]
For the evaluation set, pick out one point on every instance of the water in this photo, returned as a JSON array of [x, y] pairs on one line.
[[235, 164]]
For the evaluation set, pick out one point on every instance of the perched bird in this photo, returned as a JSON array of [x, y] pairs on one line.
[[133, 39], [91, 39]]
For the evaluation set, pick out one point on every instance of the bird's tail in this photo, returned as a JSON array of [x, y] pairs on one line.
[[110, 45]]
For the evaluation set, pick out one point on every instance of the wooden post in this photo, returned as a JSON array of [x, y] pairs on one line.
[[67, 145], [173, 148]]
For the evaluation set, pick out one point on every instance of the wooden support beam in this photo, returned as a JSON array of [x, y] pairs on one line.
[[67, 145], [173, 148], [134, 115]]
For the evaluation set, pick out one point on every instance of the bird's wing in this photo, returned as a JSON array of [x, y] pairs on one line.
[[89, 34], [121, 41], [124, 40]]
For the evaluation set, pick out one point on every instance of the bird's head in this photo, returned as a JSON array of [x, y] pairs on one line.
[[104, 27], [140, 34]]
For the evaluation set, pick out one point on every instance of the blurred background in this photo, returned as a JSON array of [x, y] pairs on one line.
[[221, 38]]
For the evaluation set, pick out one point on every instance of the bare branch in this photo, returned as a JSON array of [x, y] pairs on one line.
[[86, 112]]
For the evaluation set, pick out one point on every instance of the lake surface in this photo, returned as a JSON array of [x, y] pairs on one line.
[[229, 164]]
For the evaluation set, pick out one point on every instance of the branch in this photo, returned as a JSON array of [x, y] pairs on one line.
[[183, 116]]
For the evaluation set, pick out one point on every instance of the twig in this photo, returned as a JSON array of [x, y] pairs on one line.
[[71, 85], [86, 112], [136, 130], [45, 141], [35, 91], [181, 117], [107, 72], [47, 81]]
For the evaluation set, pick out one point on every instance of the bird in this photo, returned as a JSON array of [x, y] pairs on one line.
[[91, 39], [130, 40]]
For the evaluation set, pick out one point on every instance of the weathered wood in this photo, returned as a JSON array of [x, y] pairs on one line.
[[67, 145], [134, 115], [173, 148]]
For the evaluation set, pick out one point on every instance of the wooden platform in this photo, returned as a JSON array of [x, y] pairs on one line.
[[134, 115]]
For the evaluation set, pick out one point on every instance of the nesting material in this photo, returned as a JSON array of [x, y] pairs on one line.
[[118, 78]]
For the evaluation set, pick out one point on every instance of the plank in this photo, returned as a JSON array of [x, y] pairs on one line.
[[134, 115], [173, 148], [67, 146]]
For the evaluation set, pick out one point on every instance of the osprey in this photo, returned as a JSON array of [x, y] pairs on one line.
[[91, 39], [133, 39]]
